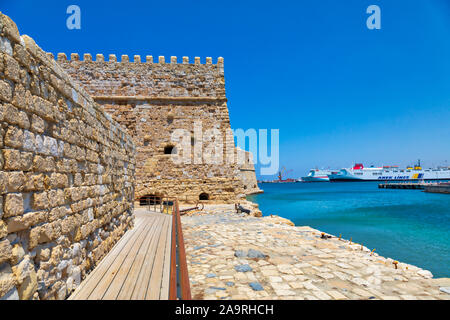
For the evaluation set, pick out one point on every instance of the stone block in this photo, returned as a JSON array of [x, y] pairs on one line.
[[27, 279], [5, 251], [9, 28], [6, 93], [7, 281], [13, 205], [11, 68], [16, 160], [15, 181]]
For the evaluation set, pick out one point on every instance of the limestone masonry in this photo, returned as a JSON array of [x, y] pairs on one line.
[[247, 173], [152, 100], [66, 174]]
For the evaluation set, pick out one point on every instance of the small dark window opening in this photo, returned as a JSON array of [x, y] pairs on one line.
[[146, 143], [203, 196], [169, 150], [192, 141], [170, 119]]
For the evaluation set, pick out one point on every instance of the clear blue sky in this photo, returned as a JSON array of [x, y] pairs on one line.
[[338, 92]]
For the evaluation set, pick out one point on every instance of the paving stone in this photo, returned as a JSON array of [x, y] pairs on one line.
[[256, 254], [256, 286], [240, 254], [321, 295], [243, 268], [336, 295], [217, 288], [280, 286], [445, 289], [285, 292], [362, 293], [275, 279]]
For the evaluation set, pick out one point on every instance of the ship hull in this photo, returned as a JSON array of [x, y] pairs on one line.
[[374, 175], [383, 180], [315, 179], [316, 175]]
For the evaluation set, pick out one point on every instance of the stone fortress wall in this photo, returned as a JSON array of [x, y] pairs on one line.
[[152, 100], [247, 173], [66, 174]]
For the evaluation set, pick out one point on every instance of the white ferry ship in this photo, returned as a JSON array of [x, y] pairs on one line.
[[390, 173], [316, 175]]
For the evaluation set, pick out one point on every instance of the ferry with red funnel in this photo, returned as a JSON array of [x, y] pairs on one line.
[[390, 173]]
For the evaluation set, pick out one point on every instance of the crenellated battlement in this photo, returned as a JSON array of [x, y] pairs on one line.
[[136, 76], [87, 57]]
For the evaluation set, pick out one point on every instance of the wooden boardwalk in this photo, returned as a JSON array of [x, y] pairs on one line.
[[137, 267]]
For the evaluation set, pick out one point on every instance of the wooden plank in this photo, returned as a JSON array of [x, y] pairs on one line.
[[130, 283], [164, 294], [83, 291], [103, 285], [118, 244], [138, 266], [120, 276], [144, 276], [154, 286]]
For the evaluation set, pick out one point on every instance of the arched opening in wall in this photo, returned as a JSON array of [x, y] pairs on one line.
[[170, 118], [170, 149], [255, 186], [149, 199], [245, 187], [203, 196]]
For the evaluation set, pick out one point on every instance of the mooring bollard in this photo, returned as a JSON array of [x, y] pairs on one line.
[[395, 263], [340, 236], [350, 240]]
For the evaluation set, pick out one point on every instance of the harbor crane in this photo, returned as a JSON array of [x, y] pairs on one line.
[[282, 173]]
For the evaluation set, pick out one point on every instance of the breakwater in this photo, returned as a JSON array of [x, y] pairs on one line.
[[437, 187], [441, 188]]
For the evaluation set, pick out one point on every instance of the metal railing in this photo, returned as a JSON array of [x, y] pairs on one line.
[[179, 288], [161, 204]]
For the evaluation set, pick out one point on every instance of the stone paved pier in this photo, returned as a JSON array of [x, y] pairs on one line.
[[234, 256]]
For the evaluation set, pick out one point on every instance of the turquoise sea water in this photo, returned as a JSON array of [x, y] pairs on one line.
[[406, 225]]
